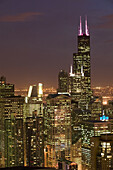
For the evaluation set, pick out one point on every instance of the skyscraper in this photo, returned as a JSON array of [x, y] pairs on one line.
[[90, 129], [33, 127], [58, 128], [21, 129], [12, 139], [34, 146], [62, 82], [80, 78], [6, 91]]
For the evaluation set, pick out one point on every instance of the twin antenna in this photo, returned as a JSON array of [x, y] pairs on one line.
[[86, 28]]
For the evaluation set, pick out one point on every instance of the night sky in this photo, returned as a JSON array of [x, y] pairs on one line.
[[38, 39]]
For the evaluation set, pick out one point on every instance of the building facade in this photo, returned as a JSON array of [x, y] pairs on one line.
[[102, 152], [58, 128]]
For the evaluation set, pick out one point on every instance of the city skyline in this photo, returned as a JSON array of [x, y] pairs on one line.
[[38, 40], [70, 127]]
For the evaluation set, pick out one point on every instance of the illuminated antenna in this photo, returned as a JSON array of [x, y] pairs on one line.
[[82, 71], [80, 28], [71, 72], [86, 27]]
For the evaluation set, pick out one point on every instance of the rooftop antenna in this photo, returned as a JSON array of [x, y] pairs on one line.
[[71, 72], [80, 28], [86, 27]]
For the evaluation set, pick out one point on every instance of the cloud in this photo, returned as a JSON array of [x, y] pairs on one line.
[[108, 17], [106, 22], [108, 41], [20, 17]]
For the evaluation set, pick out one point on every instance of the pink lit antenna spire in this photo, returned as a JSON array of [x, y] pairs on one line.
[[80, 28], [86, 27]]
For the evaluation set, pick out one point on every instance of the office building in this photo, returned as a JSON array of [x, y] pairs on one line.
[[6, 90], [21, 130], [62, 82], [102, 152], [12, 118], [96, 108], [34, 142], [89, 129], [34, 127], [76, 153], [80, 78], [33, 102], [58, 128]]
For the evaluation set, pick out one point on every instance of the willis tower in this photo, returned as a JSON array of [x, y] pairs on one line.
[[80, 75]]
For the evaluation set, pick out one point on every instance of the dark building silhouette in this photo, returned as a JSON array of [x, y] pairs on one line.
[[62, 82], [6, 89]]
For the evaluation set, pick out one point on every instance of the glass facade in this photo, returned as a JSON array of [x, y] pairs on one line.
[[58, 126]]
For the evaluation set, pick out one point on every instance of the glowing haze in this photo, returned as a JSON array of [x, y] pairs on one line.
[[38, 38]]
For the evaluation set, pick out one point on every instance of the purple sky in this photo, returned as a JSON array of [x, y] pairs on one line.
[[38, 39]]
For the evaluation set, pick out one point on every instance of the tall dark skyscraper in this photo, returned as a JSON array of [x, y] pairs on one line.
[[6, 91], [81, 60], [80, 78], [62, 82]]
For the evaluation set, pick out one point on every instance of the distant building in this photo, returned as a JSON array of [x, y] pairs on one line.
[[62, 82], [2, 80], [96, 108], [6, 90]]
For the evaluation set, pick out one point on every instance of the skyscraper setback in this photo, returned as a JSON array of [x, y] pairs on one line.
[[80, 76]]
